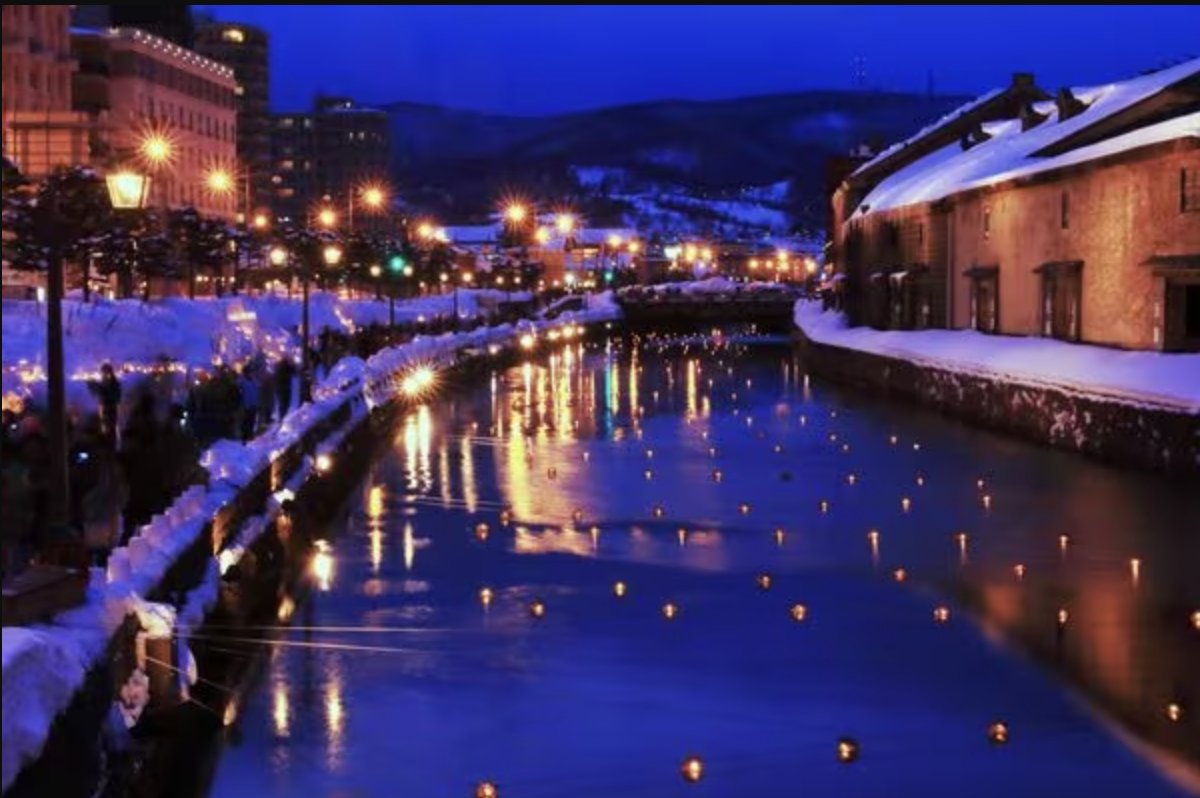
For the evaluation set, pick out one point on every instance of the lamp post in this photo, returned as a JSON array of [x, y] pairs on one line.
[[331, 255], [278, 257], [126, 190]]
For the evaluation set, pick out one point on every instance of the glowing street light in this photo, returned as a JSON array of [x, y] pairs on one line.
[[692, 769], [218, 180], [278, 256], [326, 217], [565, 223], [332, 255], [127, 190], [425, 231], [374, 197], [157, 149], [516, 213], [542, 236], [614, 241], [261, 222]]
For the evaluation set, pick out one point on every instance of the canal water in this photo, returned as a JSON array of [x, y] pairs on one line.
[[848, 577]]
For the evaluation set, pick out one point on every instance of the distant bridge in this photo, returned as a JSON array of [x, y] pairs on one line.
[[665, 308]]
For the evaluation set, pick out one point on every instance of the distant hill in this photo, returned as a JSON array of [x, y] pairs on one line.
[[456, 163]]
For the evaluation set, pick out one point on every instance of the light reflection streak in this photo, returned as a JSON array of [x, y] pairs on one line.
[[470, 489], [280, 709], [335, 717], [410, 546]]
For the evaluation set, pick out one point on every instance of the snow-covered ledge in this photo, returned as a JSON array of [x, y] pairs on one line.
[[1139, 409], [1149, 379]]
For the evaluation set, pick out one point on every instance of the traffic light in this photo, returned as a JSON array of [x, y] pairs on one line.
[[396, 263]]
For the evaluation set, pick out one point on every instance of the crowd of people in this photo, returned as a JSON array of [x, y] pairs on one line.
[[140, 447]]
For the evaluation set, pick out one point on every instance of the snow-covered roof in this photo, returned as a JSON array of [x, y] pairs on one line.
[[595, 236], [888, 152], [1011, 152], [473, 234]]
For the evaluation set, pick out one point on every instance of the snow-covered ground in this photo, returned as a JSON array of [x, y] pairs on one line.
[[44, 665], [665, 211], [712, 285], [135, 335], [1150, 378]]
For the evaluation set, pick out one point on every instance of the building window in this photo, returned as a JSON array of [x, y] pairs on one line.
[[987, 222], [1189, 190], [286, 122], [1062, 299], [1064, 211], [1181, 328], [985, 301], [234, 35]]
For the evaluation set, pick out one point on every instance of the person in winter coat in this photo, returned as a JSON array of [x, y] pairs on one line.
[[108, 396], [285, 372], [249, 393]]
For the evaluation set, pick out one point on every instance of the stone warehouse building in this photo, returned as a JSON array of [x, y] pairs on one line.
[[1073, 215]]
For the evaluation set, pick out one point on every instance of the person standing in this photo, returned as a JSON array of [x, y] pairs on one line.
[[249, 395], [108, 396], [285, 372]]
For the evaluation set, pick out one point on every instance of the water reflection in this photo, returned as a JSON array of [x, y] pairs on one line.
[[867, 623]]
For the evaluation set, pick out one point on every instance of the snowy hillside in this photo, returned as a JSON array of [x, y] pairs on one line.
[[657, 207]]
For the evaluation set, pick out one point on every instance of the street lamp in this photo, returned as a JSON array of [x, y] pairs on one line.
[[373, 197], [565, 223], [219, 181], [332, 256], [278, 257], [516, 213], [157, 149], [376, 272], [127, 191], [326, 218]]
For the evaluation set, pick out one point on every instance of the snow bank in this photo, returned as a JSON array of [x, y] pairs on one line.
[[137, 336], [31, 701], [1153, 379]]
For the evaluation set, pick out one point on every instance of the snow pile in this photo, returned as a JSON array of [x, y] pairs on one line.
[[136, 336], [31, 701], [1170, 381]]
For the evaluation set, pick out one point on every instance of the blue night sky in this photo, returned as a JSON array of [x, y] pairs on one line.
[[543, 59]]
